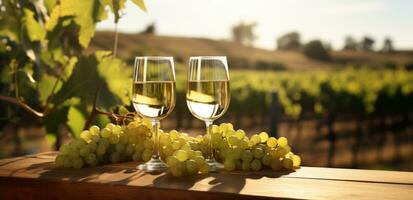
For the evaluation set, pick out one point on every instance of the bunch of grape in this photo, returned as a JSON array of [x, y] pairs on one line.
[[183, 153], [238, 152], [112, 143]]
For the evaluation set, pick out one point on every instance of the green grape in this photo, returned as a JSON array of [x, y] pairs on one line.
[[256, 139], [263, 136], [142, 129], [78, 143], [272, 142], [234, 141], [110, 126], [296, 160], [101, 149], [176, 145], [95, 138], [238, 164], [84, 151], [191, 167], [77, 163], [86, 135], [114, 139], [247, 156], [258, 153], [147, 155], [215, 128], [139, 147], [115, 157], [91, 159], [164, 139], [276, 164], [120, 148], [288, 163], [105, 132], [74, 152], [64, 149], [229, 165], [280, 152], [240, 134], [168, 150], [148, 144], [204, 168], [68, 163], [104, 142], [94, 130], [181, 155], [172, 161], [282, 141], [175, 171], [186, 147], [123, 138], [245, 166], [198, 153], [137, 156], [256, 165], [130, 149], [92, 147], [266, 160], [116, 129], [200, 160], [60, 160]]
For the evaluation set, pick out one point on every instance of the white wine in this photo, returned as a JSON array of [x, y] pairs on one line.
[[208, 100], [154, 99]]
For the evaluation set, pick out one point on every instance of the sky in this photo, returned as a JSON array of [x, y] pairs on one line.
[[328, 20]]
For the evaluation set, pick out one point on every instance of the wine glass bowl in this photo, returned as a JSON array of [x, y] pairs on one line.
[[153, 97], [208, 94]]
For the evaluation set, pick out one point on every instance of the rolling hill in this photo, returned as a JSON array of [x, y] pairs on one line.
[[240, 56]]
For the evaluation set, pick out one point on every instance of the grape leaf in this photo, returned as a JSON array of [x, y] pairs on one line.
[[140, 4], [34, 30], [75, 120], [45, 87]]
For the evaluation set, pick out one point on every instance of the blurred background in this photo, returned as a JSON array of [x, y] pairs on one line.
[[334, 77]]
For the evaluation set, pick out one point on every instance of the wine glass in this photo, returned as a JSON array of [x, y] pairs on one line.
[[154, 98], [208, 94]]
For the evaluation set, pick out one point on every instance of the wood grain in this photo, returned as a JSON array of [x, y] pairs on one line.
[[35, 177]]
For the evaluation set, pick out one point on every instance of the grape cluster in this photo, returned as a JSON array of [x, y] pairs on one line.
[[238, 152], [111, 144], [184, 154]]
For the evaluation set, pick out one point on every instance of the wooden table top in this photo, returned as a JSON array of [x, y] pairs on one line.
[[35, 177]]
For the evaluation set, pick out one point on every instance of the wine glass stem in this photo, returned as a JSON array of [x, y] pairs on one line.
[[208, 125], [155, 137]]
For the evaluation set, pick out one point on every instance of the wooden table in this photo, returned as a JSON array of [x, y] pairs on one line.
[[35, 177]]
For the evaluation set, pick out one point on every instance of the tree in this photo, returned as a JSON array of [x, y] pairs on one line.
[[50, 79], [350, 43], [367, 44], [289, 41], [387, 45], [150, 29], [244, 33], [316, 50]]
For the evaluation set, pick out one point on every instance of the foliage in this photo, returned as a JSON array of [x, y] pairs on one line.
[[316, 50], [45, 69], [289, 41], [244, 33], [349, 91]]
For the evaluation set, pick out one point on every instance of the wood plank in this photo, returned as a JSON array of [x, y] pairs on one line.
[[32, 174]]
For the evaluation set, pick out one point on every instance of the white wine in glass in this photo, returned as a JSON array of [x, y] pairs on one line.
[[154, 98], [208, 94]]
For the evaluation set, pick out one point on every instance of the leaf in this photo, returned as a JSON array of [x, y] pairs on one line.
[[140, 4], [34, 30], [75, 120], [51, 139], [55, 119], [46, 85], [50, 4], [99, 70]]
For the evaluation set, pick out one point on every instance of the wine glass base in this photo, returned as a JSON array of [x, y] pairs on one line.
[[153, 165], [214, 166]]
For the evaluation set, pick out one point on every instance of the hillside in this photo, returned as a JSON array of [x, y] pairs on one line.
[[240, 56]]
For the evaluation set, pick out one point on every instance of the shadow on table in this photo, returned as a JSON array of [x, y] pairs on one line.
[[231, 182]]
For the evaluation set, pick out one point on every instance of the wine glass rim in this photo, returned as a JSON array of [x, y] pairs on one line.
[[155, 57], [207, 57]]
